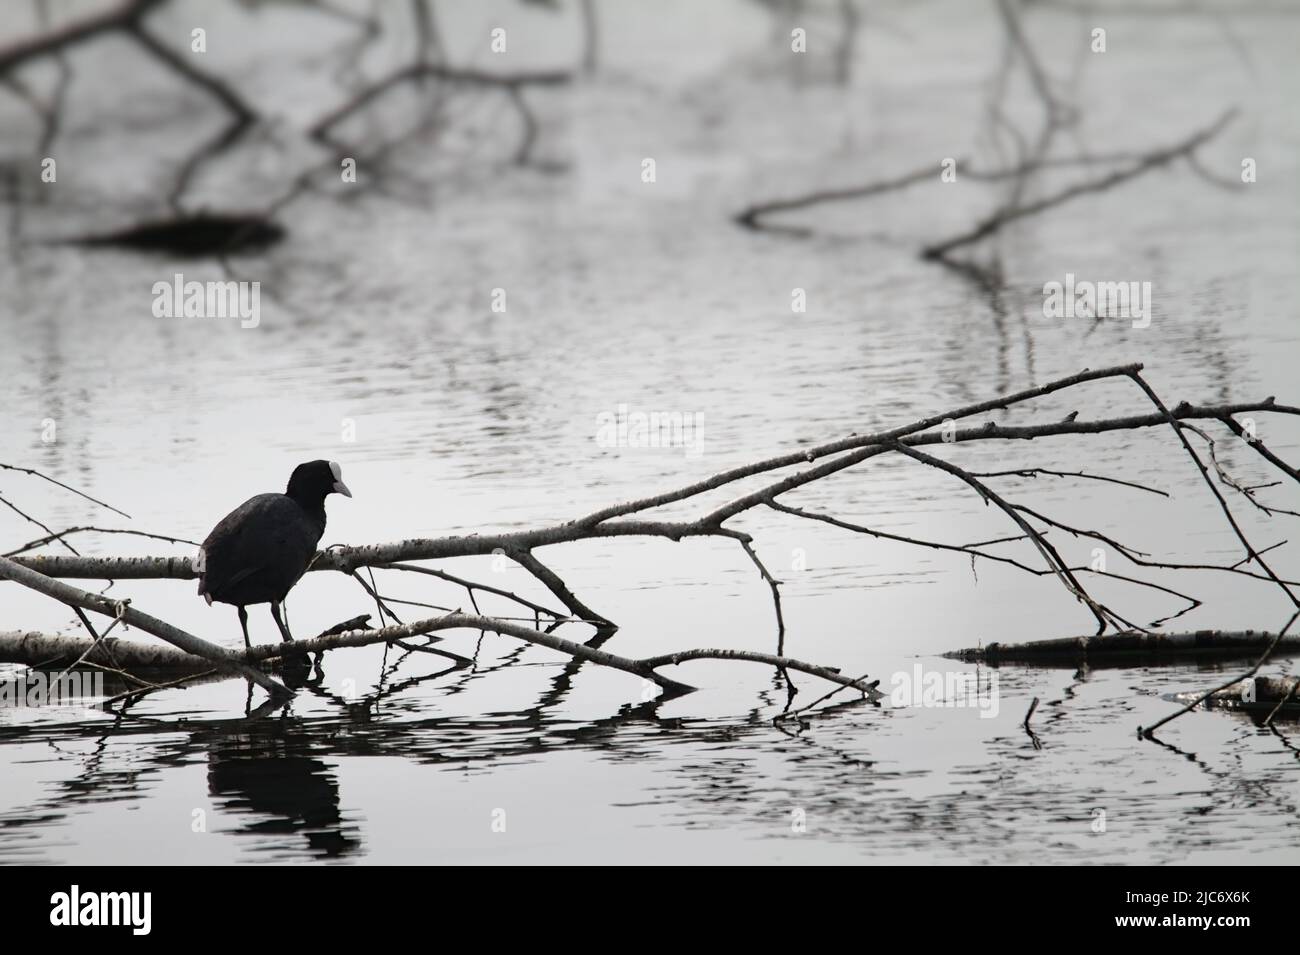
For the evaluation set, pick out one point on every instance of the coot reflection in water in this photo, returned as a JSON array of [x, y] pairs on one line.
[[273, 776]]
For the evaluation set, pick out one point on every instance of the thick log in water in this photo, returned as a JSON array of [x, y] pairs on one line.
[[37, 649], [56, 650], [1131, 649]]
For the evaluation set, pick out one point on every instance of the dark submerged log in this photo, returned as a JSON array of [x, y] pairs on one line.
[[190, 236], [1130, 649]]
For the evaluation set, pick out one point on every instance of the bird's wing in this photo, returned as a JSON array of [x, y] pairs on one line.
[[240, 546]]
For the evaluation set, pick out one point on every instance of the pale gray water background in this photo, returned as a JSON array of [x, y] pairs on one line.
[[377, 310]]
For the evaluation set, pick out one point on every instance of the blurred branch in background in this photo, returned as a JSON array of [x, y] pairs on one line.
[[428, 71], [1032, 153]]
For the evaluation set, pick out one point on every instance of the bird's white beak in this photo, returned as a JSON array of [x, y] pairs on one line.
[[339, 487]]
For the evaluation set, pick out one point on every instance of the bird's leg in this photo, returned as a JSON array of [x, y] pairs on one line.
[[243, 624], [279, 622]]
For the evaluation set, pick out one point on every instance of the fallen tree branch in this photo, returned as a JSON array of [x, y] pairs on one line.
[[598, 524], [345, 559], [785, 473]]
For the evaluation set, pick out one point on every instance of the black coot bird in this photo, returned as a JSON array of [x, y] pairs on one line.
[[260, 549]]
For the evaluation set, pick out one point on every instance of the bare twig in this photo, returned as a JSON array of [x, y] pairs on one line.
[[45, 477]]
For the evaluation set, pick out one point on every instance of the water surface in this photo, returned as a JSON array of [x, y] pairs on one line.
[[376, 321]]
